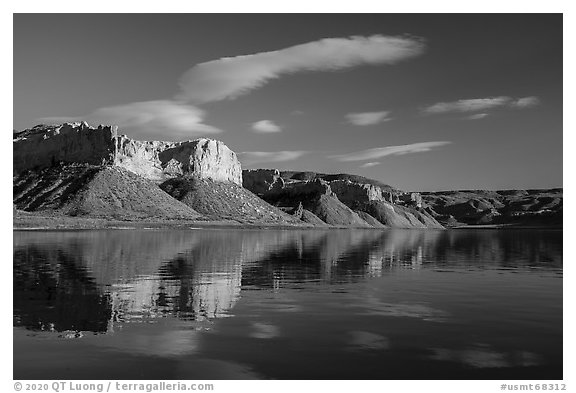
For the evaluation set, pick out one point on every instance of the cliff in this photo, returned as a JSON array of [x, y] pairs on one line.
[[77, 170], [74, 169], [45, 146], [341, 200]]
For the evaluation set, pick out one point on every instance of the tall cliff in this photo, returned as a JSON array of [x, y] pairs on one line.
[[45, 146]]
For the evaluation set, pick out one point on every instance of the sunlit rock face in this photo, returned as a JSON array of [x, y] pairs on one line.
[[349, 192], [204, 158], [44, 146]]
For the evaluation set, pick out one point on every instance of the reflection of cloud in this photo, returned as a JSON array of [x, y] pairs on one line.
[[373, 306], [405, 310], [264, 330], [379, 152], [367, 340], [167, 338], [482, 356]]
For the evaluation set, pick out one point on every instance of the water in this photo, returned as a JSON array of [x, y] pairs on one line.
[[335, 304]]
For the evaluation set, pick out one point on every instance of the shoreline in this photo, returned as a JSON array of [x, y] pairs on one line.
[[34, 222]]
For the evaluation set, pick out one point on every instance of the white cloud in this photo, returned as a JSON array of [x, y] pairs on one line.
[[266, 126], [151, 118], [481, 104], [472, 105], [526, 102], [370, 164], [230, 77], [367, 118], [477, 116], [254, 157], [380, 152]]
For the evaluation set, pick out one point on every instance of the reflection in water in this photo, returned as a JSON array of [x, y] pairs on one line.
[[161, 292], [85, 280], [482, 356], [366, 340]]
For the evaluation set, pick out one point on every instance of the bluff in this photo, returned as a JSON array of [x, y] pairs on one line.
[[47, 145], [340, 199], [78, 170]]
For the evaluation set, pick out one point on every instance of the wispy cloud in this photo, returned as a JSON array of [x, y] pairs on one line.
[[368, 118], [151, 118], [254, 157], [471, 105], [481, 104], [380, 152], [526, 102], [230, 77], [477, 116], [266, 126], [370, 164]]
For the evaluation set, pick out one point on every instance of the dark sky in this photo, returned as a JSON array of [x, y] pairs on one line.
[[464, 101]]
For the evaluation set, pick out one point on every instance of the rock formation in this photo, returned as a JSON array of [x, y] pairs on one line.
[[261, 181], [480, 207], [224, 200], [95, 191], [75, 169], [45, 146], [341, 200]]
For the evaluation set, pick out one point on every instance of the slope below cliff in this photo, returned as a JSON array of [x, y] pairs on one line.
[[228, 201], [341, 199], [96, 191]]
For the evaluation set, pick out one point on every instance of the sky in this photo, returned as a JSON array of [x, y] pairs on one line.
[[421, 102]]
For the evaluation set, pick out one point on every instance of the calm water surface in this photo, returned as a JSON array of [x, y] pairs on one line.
[[337, 304]]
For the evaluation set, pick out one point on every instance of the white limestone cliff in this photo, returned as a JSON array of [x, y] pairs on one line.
[[44, 146]]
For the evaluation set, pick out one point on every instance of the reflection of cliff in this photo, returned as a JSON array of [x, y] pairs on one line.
[[130, 275], [92, 280], [52, 293]]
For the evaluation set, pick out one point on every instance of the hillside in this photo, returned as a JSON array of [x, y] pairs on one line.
[[228, 201], [341, 200], [95, 191], [506, 207]]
